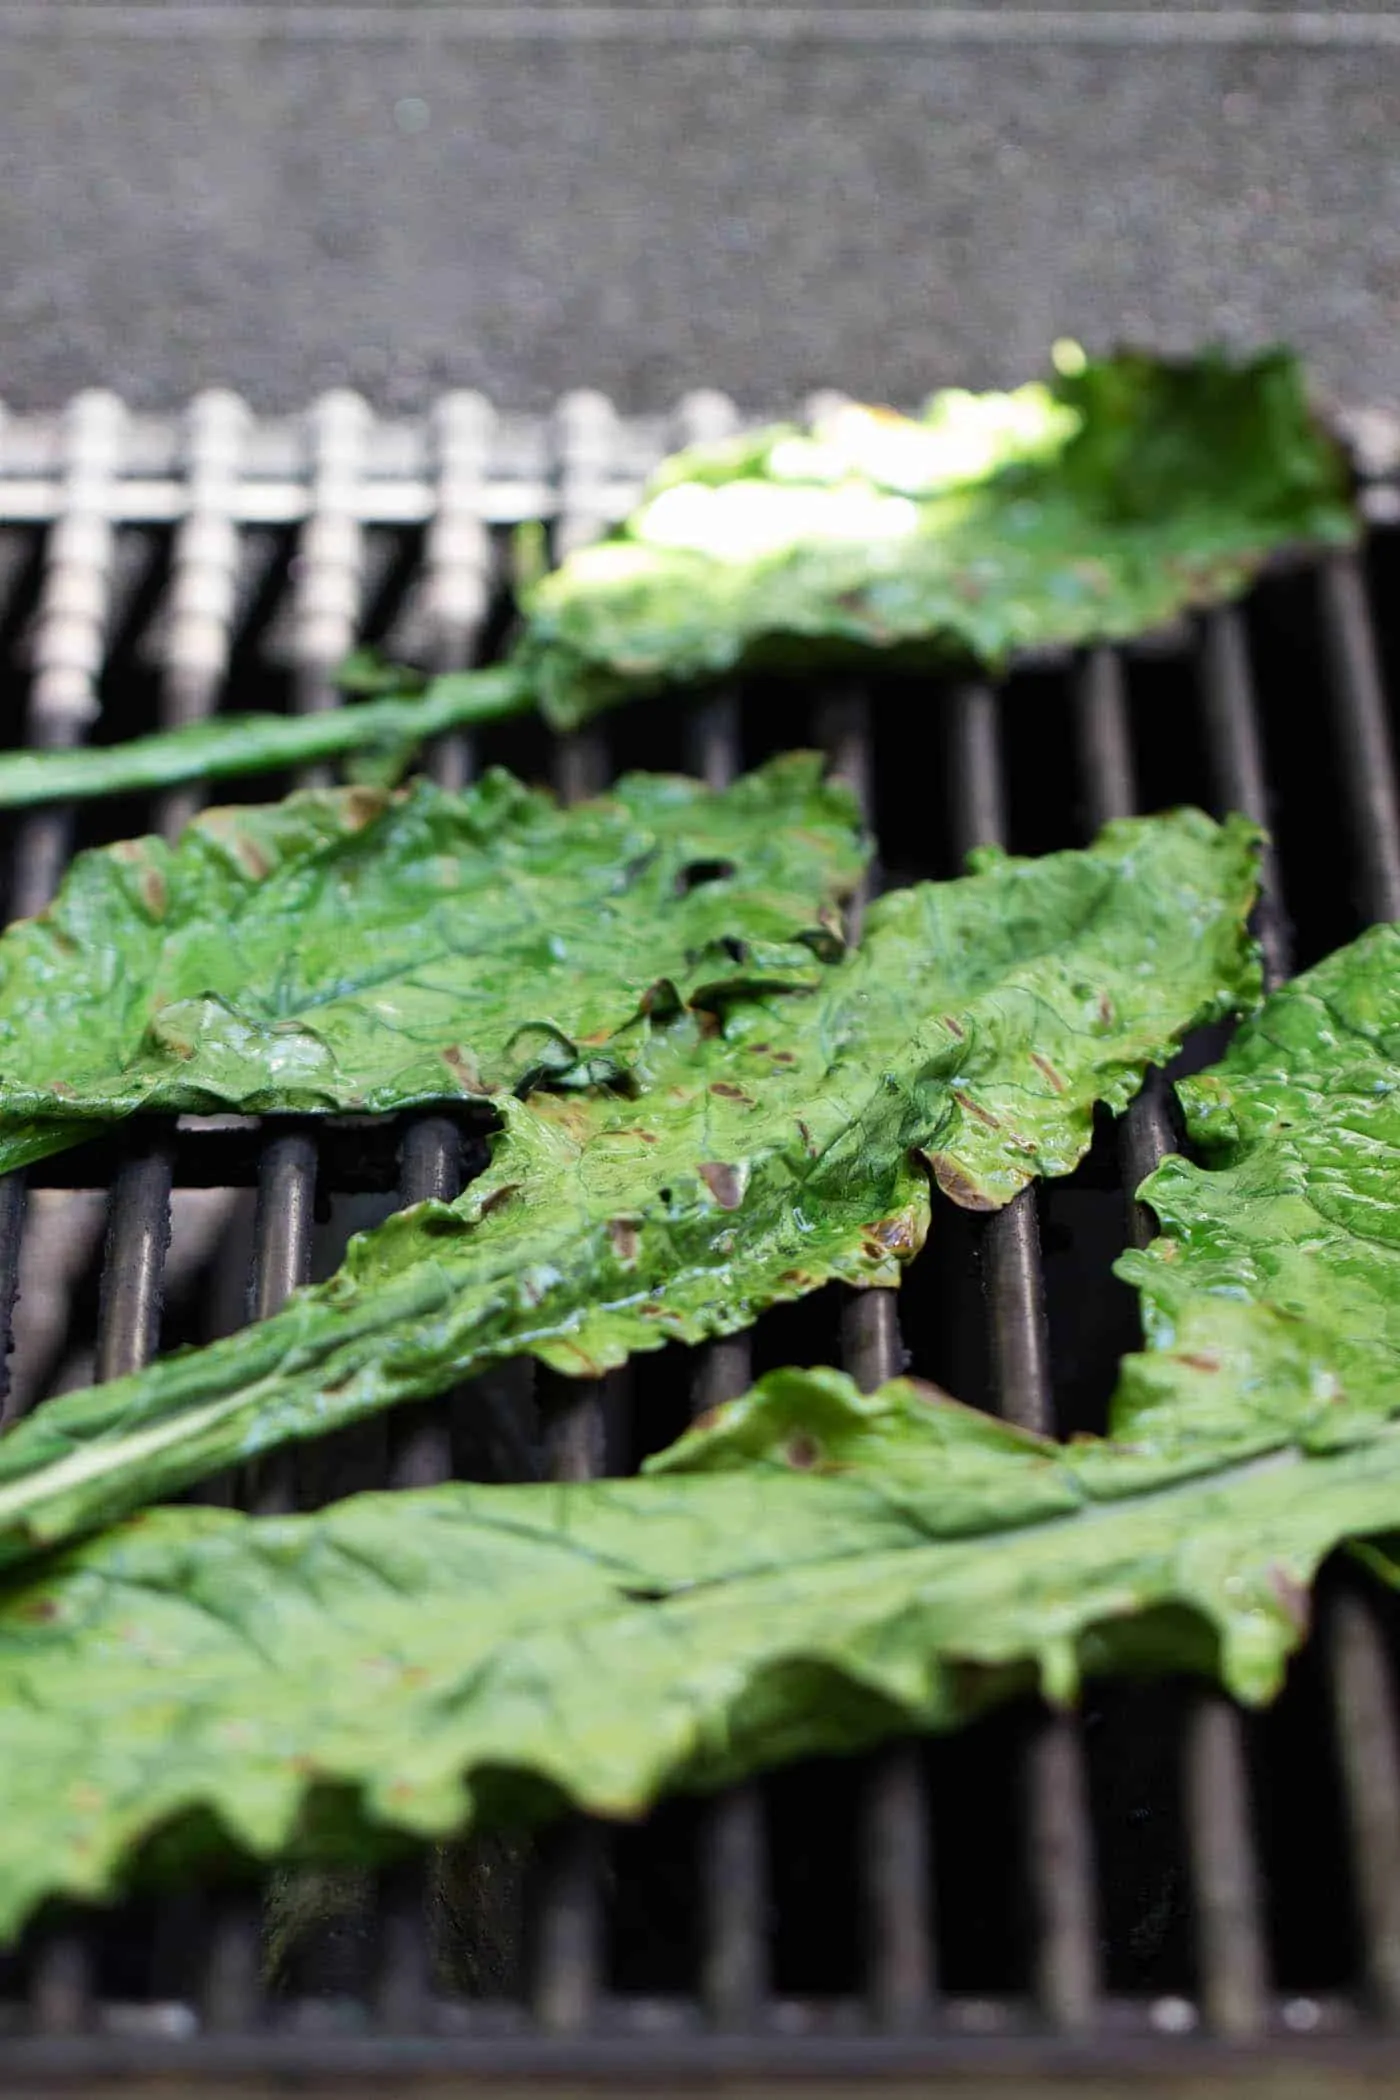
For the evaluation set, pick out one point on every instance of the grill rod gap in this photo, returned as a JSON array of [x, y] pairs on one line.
[[1062, 1875], [1224, 1864]]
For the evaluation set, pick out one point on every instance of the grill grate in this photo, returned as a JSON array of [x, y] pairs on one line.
[[1041, 1893]]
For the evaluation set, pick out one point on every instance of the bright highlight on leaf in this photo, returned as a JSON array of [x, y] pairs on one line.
[[1090, 508]]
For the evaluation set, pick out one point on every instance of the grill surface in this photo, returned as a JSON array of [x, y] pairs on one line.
[[1044, 1894]]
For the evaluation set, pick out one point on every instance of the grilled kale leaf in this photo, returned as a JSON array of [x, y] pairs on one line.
[[1274, 1294], [350, 949], [1089, 509], [808, 1572], [765, 1151]]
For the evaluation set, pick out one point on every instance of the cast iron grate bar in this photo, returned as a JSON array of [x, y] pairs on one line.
[[1230, 1939], [1061, 1854]]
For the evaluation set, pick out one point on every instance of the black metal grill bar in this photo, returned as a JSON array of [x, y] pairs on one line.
[[1368, 1749], [569, 1950], [458, 560], [735, 1969], [1231, 1956], [70, 640], [1061, 1851], [896, 1836], [1363, 734], [204, 564], [1237, 761]]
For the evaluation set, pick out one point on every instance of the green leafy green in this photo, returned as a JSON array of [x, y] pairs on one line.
[[809, 1571], [349, 949], [1091, 509], [769, 1149], [1274, 1295], [379, 737]]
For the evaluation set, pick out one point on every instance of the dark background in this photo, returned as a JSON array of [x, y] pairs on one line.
[[407, 197]]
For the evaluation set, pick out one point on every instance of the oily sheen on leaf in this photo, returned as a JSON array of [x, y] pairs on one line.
[[809, 1570], [765, 1150], [351, 949]]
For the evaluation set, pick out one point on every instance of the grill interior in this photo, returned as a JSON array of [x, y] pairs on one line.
[[1112, 1887]]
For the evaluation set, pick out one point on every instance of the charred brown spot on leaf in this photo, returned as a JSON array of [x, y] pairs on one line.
[[625, 1237], [40, 1610], [1105, 1010], [588, 1366], [803, 1452], [896, 1235], [360, 806], [798, 1279], [708, 1023], [808, 1142], [784, 1057], [954, 1027], [1293, 1599], [975, 1108], [696, 873], [1043, 1065], [154, 894], [463, 1070], [727, 1092], [1198, 1360], [957, 1183], [249, 855], [497, 1197], [724, 1183]]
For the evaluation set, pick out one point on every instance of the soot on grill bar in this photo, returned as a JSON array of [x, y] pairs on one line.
[[1133, 1885]]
